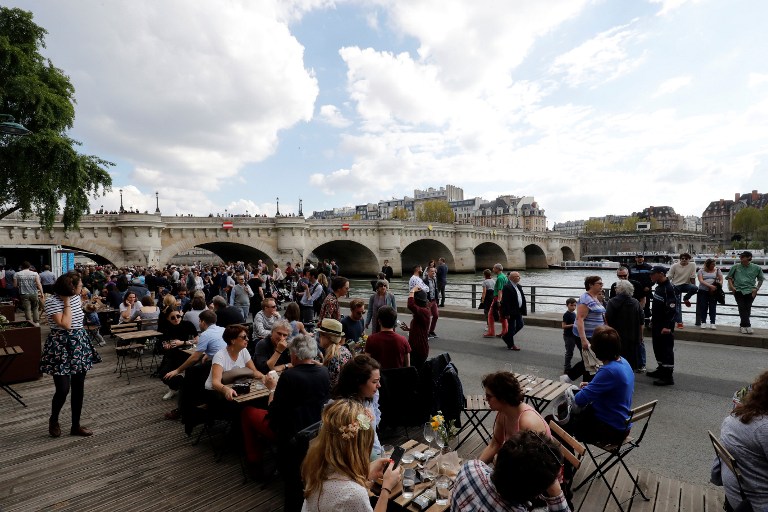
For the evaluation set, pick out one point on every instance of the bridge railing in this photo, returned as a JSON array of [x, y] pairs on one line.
[[552, 299]]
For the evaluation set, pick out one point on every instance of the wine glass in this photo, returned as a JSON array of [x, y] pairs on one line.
[[429, 434], [530, 379]]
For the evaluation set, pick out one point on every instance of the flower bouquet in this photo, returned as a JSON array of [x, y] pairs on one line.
[[444, 431]]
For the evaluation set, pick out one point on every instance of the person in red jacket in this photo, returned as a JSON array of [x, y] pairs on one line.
[[418, 334]]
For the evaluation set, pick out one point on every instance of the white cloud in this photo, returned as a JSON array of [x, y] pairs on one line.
[[757, 80], [672, 85], [331, 115], [600, 59], [668, 6]]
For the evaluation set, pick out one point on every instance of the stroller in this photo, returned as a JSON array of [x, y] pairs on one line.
[[278, 291]]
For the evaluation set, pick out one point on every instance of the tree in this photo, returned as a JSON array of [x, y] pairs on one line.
[[435, 211], [41, 172], [630, 223], [747, 222], [399, 213]]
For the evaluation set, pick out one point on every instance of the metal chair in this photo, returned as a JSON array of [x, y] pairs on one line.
[[605, 455], [730, 462]]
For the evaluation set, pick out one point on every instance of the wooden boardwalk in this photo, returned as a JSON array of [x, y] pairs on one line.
[[137, 460]]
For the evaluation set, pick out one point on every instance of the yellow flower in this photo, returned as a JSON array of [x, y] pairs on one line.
[[435, 425]]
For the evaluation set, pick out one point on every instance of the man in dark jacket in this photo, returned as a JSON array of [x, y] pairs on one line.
[[514, 308], [663, 327], [442, 280], [641, 272]]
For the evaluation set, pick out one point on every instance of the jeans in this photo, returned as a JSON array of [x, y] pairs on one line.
[[570, 344], [435, 315], [441, 293], [744, 302], [641, 353], [30, 303], [706, 303], [689, 290]]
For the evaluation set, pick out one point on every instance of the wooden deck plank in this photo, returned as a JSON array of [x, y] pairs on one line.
[[667, 496], [649, 482], [713, 500], [598, 497], [691, 498]]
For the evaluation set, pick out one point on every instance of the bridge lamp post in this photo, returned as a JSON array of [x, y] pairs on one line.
[[301, 214], [122, 210], [277, 212], [157, 202], [9, 126]]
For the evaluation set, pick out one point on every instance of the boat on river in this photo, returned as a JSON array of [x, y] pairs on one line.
[[586, 265], [730, 258]]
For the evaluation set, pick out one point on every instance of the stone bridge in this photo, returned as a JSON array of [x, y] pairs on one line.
[[360, 249]]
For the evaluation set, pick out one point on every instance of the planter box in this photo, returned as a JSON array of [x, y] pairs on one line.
[[27, 366], [8, 311]]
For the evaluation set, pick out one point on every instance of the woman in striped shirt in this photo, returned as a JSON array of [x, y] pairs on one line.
[[68, 353]]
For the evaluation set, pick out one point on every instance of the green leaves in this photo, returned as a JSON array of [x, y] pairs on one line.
[[41, 173]]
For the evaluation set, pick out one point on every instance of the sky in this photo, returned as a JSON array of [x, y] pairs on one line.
[[592, 107]]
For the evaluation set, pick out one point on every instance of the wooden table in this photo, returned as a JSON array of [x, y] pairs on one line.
[[397, 491], [254, 394], [542, 391], [133, 340]]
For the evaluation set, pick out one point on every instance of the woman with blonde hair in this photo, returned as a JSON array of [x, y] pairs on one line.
[[336, 469], [335, 354]]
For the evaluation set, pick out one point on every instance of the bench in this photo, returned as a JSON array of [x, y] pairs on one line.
[[7, 355]]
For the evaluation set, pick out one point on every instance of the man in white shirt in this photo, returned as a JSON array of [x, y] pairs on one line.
[[683, 276], [416, 280], [30, 290]]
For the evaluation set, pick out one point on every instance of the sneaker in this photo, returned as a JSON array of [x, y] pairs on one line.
[[704, 326], [566, 379], [687, 303], [170, 394], [749, 330], [712, 326], [743, 330], [680, 325], [642, 369]]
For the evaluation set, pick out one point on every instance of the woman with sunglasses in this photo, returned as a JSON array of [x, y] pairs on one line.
[[529, 466], [176, 333], [235, 355]]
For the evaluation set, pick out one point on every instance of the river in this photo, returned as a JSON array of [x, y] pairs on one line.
[[550, 293]]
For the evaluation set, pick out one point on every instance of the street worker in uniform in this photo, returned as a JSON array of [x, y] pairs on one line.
[[663, 327]]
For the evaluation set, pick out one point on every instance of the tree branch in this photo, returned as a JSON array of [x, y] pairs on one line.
[[9, 211]]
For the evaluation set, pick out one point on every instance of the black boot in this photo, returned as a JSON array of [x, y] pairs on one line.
[[665, 379], [655, 373]]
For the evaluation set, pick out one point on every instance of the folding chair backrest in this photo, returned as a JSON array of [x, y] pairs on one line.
[[726, 458], [124, 327], [566, 439], [642, 412]]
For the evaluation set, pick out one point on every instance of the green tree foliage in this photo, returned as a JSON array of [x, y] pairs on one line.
[[41, 172], [399, 213], [435, 211], [630, 223], [750, 223]]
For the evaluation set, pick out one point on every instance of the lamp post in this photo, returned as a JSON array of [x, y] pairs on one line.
[[122, 210], [9, 126], [277, 212], [157, 202], [301, 214]]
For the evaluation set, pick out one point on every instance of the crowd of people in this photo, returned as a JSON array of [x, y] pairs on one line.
[[303, 358]]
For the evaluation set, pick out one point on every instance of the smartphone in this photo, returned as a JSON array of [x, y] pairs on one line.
[[397, 454]]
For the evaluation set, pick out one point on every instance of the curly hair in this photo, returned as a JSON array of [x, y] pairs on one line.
[[756, 402], [504, 387]]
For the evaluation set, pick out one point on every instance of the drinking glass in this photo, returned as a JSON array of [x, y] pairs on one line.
[[508, 368], [429, 435], [530, 379], [386, 451], [443, 489], [409, 482], [440, 442]]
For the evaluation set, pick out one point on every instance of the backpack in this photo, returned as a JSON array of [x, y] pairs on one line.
[[318, 302], [450, 394]]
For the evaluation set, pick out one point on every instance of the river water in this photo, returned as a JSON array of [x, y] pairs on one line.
[[552, 287]]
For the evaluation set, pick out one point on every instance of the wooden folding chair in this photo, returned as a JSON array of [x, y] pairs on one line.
[[576, 451], [476, 410], [730, 462], [605, 455]]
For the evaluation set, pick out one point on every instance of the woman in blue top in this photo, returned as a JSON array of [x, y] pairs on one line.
[[606, 401], [590, 314]]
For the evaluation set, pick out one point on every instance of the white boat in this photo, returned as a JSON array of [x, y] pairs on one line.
[[731, 257], [586, 265]]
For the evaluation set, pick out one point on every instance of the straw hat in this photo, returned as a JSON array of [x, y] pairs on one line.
[[332, 328]]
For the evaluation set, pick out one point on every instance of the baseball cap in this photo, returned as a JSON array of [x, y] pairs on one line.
[[658, 269], [745, 254]]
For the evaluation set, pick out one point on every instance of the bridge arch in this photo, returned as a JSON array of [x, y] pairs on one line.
[[487, 254], [353, 258], [567, 254], [419, 252], [249, 252], [535, 257]]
